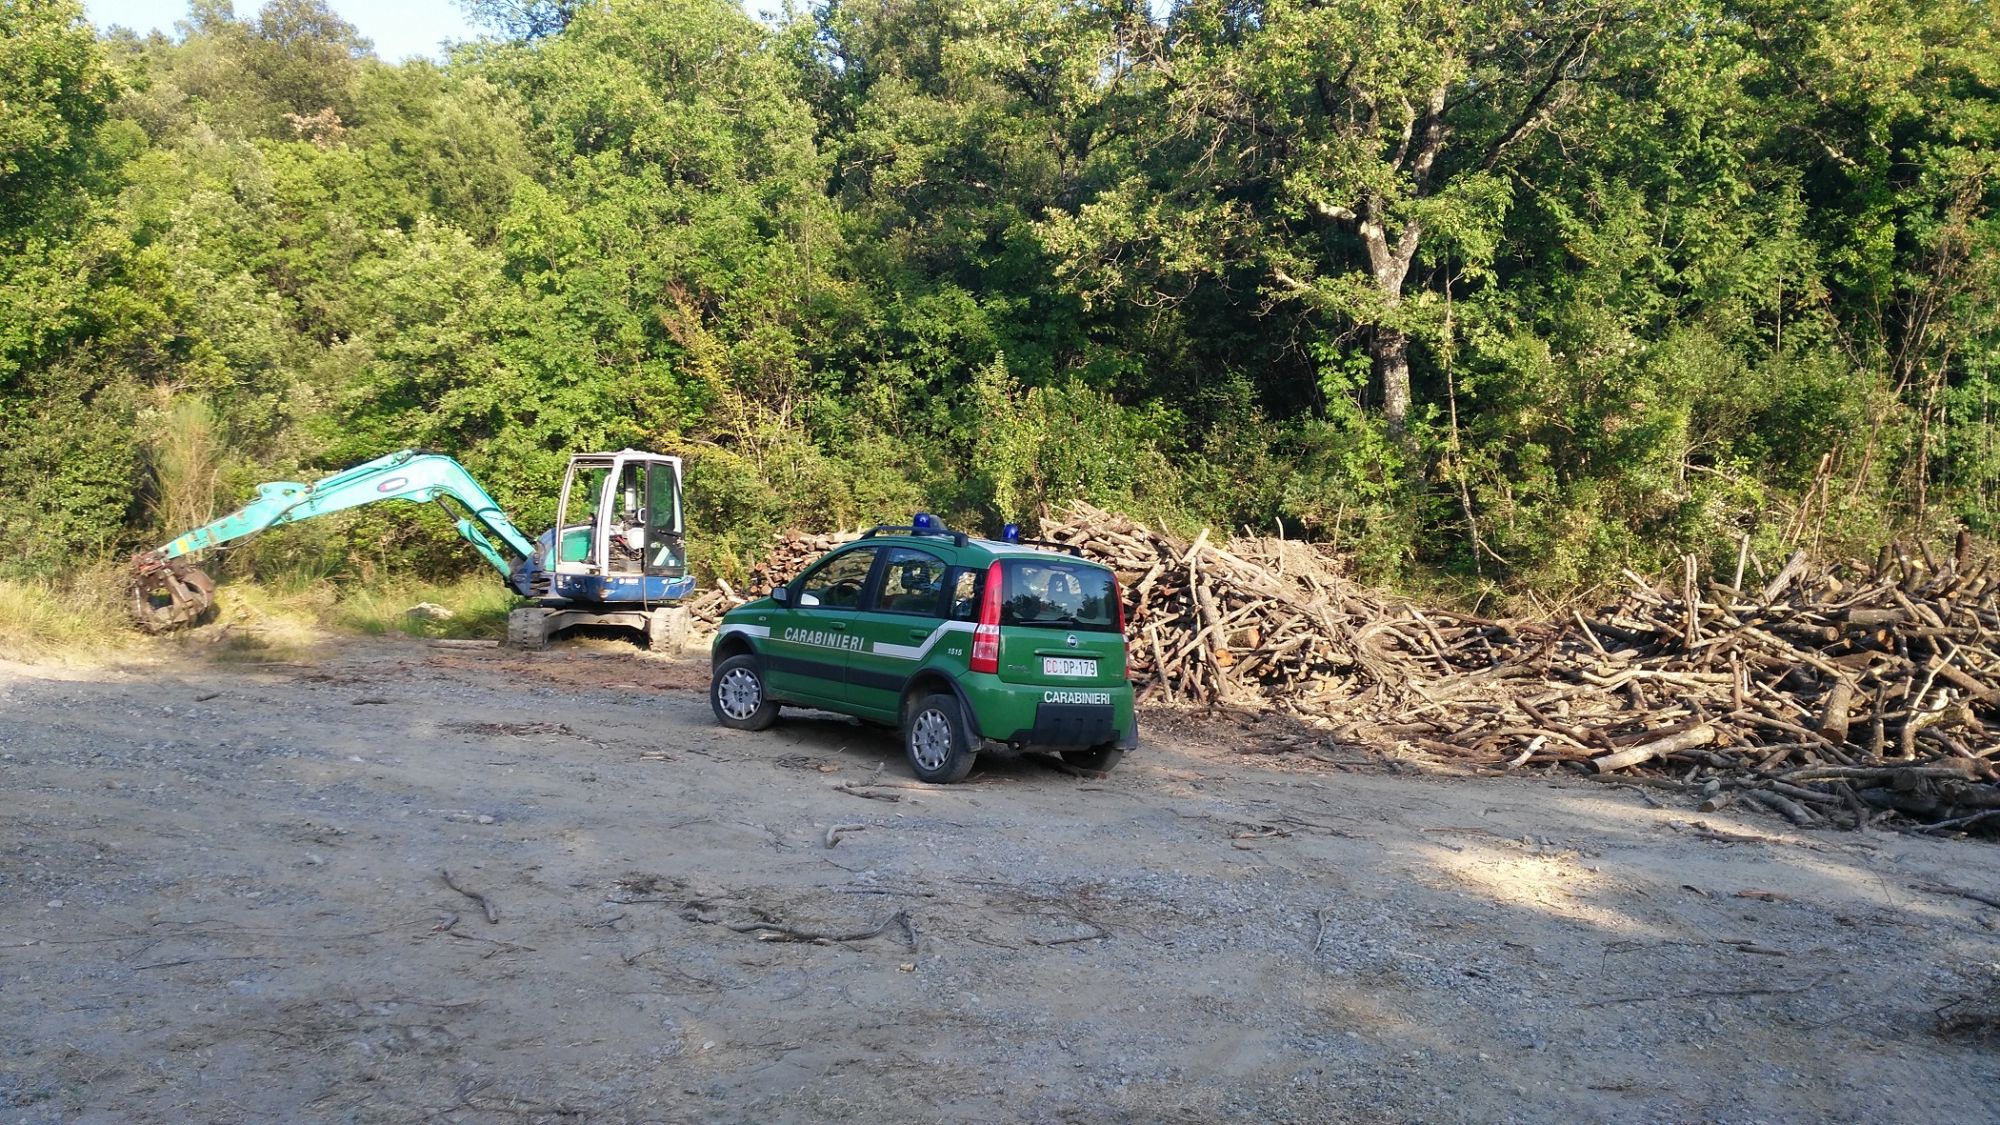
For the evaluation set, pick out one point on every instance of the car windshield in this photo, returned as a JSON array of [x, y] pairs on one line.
[[1070, 595]]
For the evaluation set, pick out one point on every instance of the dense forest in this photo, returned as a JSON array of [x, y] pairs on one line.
[[1498, 295]]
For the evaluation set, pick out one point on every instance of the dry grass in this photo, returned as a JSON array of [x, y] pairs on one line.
[[286, 617], [78, 620], [296, 610], [186, 452], [256, 623], [81, 619], [478, 605]]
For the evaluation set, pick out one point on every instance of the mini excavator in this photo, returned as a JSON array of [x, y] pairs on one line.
[[616, 557]]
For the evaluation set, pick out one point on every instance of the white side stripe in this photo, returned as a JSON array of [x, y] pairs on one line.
[[917, 652], [880, 648]]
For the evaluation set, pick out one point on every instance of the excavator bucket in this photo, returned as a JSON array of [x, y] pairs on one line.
[[168, 594]]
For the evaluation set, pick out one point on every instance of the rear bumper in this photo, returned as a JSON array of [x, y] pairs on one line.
[[1069, 726], [1130, 739], [1036, 718]]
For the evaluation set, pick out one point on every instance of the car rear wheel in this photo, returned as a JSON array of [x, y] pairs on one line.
[[737, 694], [936, 740], [1100, 759]]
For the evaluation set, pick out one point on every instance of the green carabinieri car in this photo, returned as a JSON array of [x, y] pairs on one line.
[[967, 645]]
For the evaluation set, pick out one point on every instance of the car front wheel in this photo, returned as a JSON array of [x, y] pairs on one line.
[[737, 694], [937, 741]]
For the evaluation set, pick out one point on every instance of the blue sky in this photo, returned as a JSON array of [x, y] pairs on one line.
[[400, 28]]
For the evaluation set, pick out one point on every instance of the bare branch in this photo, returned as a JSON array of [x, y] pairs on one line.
[[1406, 250], [1432, 141], [1537, 107], [1409, 131], [1331, 212], [1328, 104], [1279, 275]]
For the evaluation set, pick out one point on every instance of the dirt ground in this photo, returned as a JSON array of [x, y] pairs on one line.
[[221, 900]]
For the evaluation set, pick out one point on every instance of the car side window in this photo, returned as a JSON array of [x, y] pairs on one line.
[[837, 582], [964, 596], [912, 582]]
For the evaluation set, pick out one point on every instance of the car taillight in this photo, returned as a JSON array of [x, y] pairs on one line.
[[1118, 599], [986, 634]]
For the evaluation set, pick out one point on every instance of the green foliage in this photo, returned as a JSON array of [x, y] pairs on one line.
[[71, 467], [289, 71], [186, 452], [55, 90], [1500, 299], [1032, 448]]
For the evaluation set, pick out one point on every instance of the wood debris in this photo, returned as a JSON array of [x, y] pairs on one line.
[[485, 904], [1828, 696]]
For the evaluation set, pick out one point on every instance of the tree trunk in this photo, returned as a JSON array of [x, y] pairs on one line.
[[1390, 350]]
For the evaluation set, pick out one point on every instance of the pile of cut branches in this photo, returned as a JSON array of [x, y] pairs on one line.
[[792, 554], [1271, 621], [1828, 698]]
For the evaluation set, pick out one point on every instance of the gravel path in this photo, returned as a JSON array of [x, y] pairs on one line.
[[221, 899]]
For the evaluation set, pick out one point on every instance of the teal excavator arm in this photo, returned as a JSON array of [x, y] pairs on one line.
[[167, 592], [408, 475]]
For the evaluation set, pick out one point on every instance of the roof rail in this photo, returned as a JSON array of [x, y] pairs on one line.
[[1069, 548], [958, 538]]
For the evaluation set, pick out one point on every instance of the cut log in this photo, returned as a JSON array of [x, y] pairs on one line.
[[1833, 715], [1702, 735]]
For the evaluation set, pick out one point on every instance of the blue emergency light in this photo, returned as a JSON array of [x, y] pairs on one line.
[[1011, 533], [922, 521]]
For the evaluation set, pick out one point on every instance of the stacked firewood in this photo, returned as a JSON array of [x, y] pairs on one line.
[[708, 606], [790, 555], [1827, 698], [787, 556]]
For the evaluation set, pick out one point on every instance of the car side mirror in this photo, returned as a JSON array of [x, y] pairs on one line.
[[781, 593]]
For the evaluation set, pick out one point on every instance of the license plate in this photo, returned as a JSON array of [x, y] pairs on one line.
[[1068, 666]]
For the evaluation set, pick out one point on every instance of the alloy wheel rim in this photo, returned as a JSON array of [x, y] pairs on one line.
[[739, 693], [930, 740]]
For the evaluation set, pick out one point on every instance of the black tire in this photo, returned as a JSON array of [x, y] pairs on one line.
[[736, 693], [528, 628], [1101, 759], [667, 630], [936, 740]]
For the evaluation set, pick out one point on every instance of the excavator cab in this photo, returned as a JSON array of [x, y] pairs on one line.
[[620, 514], [617, 556], [618, 544]]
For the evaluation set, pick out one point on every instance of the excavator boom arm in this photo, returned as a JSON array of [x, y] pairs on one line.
[[168, 593], [407, 475]]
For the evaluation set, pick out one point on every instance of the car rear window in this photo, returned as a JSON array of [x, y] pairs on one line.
[[1066, 595]]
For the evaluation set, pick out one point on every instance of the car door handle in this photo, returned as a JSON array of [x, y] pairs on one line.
[[840, 625], [919, 634]]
